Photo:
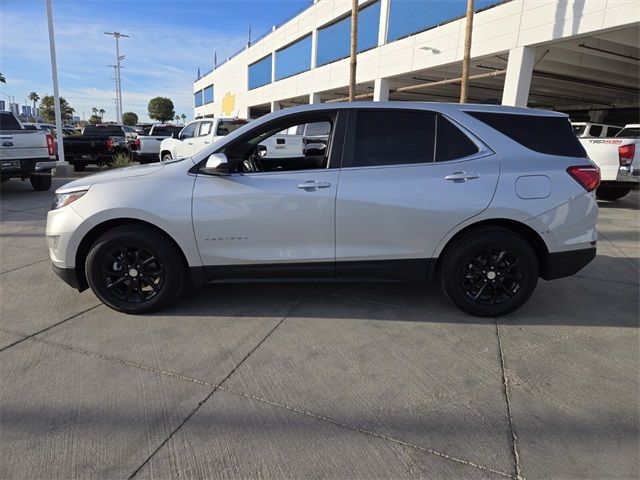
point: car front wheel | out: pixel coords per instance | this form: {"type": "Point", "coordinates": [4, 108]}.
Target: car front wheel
{"type": "Point", "coordinates": [133, 269]}
{"type": "Point", "coordinates": [166, 157]}
{"type": "Point", "coordinates": [489, 272]}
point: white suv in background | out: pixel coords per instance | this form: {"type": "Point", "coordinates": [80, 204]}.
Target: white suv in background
{"type": "Point", "coordinates": [484, 198]}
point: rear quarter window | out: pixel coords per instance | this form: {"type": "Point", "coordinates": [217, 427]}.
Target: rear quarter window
{"type": "Point", "coordinates": [550, 135]}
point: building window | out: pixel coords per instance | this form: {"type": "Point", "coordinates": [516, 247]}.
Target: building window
{"type": "Point", "coordinates": [198, 98]}
{"type": "Point", "coordinates": [260, 73]}
{"type": "Point", "coordinates": [207, 95]}
{"type": "Point", "coordinates": [407, 17]}
{"type": "Point", "coordinates": [333, 40]}
{"type": "Point", "coordinates": [294, 59]}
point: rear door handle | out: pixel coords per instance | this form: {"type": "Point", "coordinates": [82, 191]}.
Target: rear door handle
{"type": "Point", "coordinates": [461, 177]}
{"type": "Point", "coordinates": [313, 185]}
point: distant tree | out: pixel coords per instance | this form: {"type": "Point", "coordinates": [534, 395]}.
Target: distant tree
{"type": "Point", "coordinates": [33, 96]}
{"type": "Point", "coordinates": [2, 79]}
{"type": "Point", "coordinates": [177, 119]}
{"type": "Point", "coordinates": [102, 112]}
{"type": "Point", "coordinates": [94, 110]}
{"type": "Point", "coordinates": [48, 111]}
{"type": "Point", "coordinates": [95, 119]}
{"type": "Point", "coordinates": [161, 109]}
{"type": "Point", "coordinates": [183, 117]}
{"type": "Point", "coordinates": [129, 118]}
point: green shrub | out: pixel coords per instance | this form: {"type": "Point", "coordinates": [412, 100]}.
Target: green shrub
{"type": "Point", "coordinates": [120, 160]}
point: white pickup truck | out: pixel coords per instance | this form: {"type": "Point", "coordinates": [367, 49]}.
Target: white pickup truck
{"type": "Point", "coordinates": [146, 147]}
{"type": "Point", "coordinates": [619, 161]}
{"type": "Point", "coordinates": [25, 153]}
{"type": "Point", "coordinates": [196, 136]}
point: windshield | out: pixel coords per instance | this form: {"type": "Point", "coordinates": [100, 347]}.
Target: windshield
{"type": "Point", "coordinates": [630, 132]}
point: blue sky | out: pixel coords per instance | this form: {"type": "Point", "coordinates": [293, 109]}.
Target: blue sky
{"type": "Point", "coordinates": [169, 41]}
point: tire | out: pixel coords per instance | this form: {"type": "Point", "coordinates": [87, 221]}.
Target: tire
{"type": "Point", "coordinates": [166, 157]}
{"type": "Point", "coordinates": [40, 183]}
{"type": "Point", "coordinates": [79, 167]}
{"type": "Point", "coordinates": [134, 283]}
{"type": "Point", "coordinates": [611, 193]}
{"type": "Point", "coordinates": [489, 272]}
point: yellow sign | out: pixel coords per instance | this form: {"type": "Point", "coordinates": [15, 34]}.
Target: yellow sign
{"type": "Point", "coordinates": [228, 104]}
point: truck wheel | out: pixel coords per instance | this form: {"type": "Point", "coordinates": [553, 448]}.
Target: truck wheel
{"type": "Point", "coordinates": [133, 269]}
{"type": "Point", "coordinates": [611, 193]}
{"type": "Point", "coordinates": [489, 272]}
{"type": "Point", "coordinates": [79, 167]}
{"type": "Point", "coordinates": [166, 157]}
{"type": "Point", "coordinates": [40, 183]}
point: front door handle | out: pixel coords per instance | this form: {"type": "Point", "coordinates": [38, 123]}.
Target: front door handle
{"type": "Point", "coordinates": [313, 185]}
{"type": "Point", "coordinates": [461, 177]}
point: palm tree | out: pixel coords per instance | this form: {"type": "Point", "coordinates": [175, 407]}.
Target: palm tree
{"type": "Point", "coordinates": [177, 118]}
{"type": "Point", "coordinates": [94, 110]}
{"type": "Point", "coordinates": [183, 117]}
{"type": "Point", "coordinates": [2, 80]}
{"type": "Point", "coordinates": [102, 112]}
{"type": "Point", "coordinates": [33, 96]}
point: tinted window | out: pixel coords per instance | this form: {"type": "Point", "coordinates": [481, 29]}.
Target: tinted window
{"type": "Point", "coordinates": [550, 135]}
{"type": "Point", "coordinates": [333, 40]}
{"type": "Point", "coordinates": [225, 127]}
{"type": "Point", "coordinates": [189, 131]}
{"type": "Point", "coordinates": [631, 132]}
{"type": "Point", "coordinates": [595, 130]}
{"type": "Point", "coordinates": [165, 131]}
{"type": "Point", "coordinates": [106, 131]}
{"type": "Point", "coordinates": [207, 95]}
{"type": "Point", "coordinates": [317, 129]}
{"type": "Point", "coordinates": [7, 122]}
{"type": "Point", "coordinates": [294, 59]}
{"type": "Point", "coordinates": [260, 73]}
{"type": "Point", "coordinates": [407, 17]}
{"type": "Point", "coordinates": [198, 98]}
{"type": "Point", "coordinates": [613, 131]}
{"type": "Point", "coordinates": [30, 127]}
{"type": "Point", "coordinates": [451, 142]}
{"type": "Point", "coordinates": [392, 137]}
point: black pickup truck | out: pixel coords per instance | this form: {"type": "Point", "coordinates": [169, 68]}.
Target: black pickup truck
{"type": "Point", "coordinates": [97, 145]}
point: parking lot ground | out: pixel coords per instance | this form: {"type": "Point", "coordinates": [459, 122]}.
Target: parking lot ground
{"type": "Point", "coordinates": [318, 380]}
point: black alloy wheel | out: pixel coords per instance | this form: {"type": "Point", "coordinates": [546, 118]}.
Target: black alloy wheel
{"type": "Point", "coordinates": [489, 272]}
{"type": "Point", "coordinates": [135, 269]}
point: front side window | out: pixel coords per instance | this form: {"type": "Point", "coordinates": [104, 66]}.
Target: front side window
{"type": "Point", "coordinates": [205, 129]}
{"type": "Point", "coordinates": [393, 137]}
{"type": "Point", "coordinates": [189, 131]}
{"type": "Point", "coordinates": [279, 148]}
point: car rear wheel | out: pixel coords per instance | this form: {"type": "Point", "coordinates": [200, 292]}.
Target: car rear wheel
{"type": "Point", "coordinates": [611, 193]}
{"type": "Point", "coordinates": [489, 272]}
{"type": "Point", "coordinates": [133, 269]}
{"type": "Point", "coordinates": [40, 183]}
{"type": "Point", "coordinates": [166, 157]}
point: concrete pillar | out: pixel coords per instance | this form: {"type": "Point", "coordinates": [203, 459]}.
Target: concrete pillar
{"type": "Point", "coordinates": [314, 98]}
{"type": "Point", "coordinates": [381, 90]}
{"type": "Point", "coordinates": [275, 106]}
{"type": "Point", "coordinates": [597, 116]}
{"type": "Point", "coordinates": [518, 79]}
{"type": "Point", "coordinates": [314, 48]}
{"type": "Point", "coordinates": [273, 67]}
{"type": "Point", "coordinates": [384, 22]}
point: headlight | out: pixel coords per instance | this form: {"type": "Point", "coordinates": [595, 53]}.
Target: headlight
{"type": "Point", "coordinates": [64, 199]}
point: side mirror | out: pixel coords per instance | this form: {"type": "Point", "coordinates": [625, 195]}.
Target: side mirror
{"type": "Point", "coordinates": [314, 149]}
{"type": "Point", "coordinates": [217, 164]}
{"type": "Point", "coordinates": [262, 150]}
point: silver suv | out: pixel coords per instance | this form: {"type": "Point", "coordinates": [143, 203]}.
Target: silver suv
{"type": "Point", "coordinates": [484, 198]}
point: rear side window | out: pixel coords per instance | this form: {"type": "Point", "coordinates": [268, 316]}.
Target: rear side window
{"type": "Point", "coordinates": [451, 142]}
{"type": "Point", "coordinates": [550, 135]}
{"type": "Point", "coordinates": [595, 130]}
{"type": "Point", "coordinates": [393, 137]}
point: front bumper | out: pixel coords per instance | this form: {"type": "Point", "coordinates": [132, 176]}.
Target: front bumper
{"type": "Point", "coordinates": [564, 264]}
{"type": "Point", "coordinates": [68, 275]}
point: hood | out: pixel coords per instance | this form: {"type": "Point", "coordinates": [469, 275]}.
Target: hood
{"type": "Point", "coordinates": [110, 176]}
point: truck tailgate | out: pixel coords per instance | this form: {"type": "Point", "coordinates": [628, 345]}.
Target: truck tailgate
{"type": "Point", "coordinates": [17, 144]}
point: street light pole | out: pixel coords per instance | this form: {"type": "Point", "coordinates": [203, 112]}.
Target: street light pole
{"type": "Point", "coordinates": [115, 73]}
{"type": "Point", "coordinates": [56, 93]}
{"type": "Point", "coordinates": [117, 36]}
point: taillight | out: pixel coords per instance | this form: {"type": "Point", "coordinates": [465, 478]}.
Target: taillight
{"type": "Point", "coordinates": [136, 144]}
{"type": "Point", "coordinates": [51, 146]}
{"type": "Point", "coordinates": [109, 144]}
{"type": "Point", "coordinates": [626, 154]}
{"type": "Point", "coordinates": [586, 175]}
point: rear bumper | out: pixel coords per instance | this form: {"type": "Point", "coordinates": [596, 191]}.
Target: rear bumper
{"type": "Point", "coordinates": [19, 168]}
{"type": "Point", "coordinates": [629, 175]}
{"type": "Point", "coordinates": [564, 264]}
